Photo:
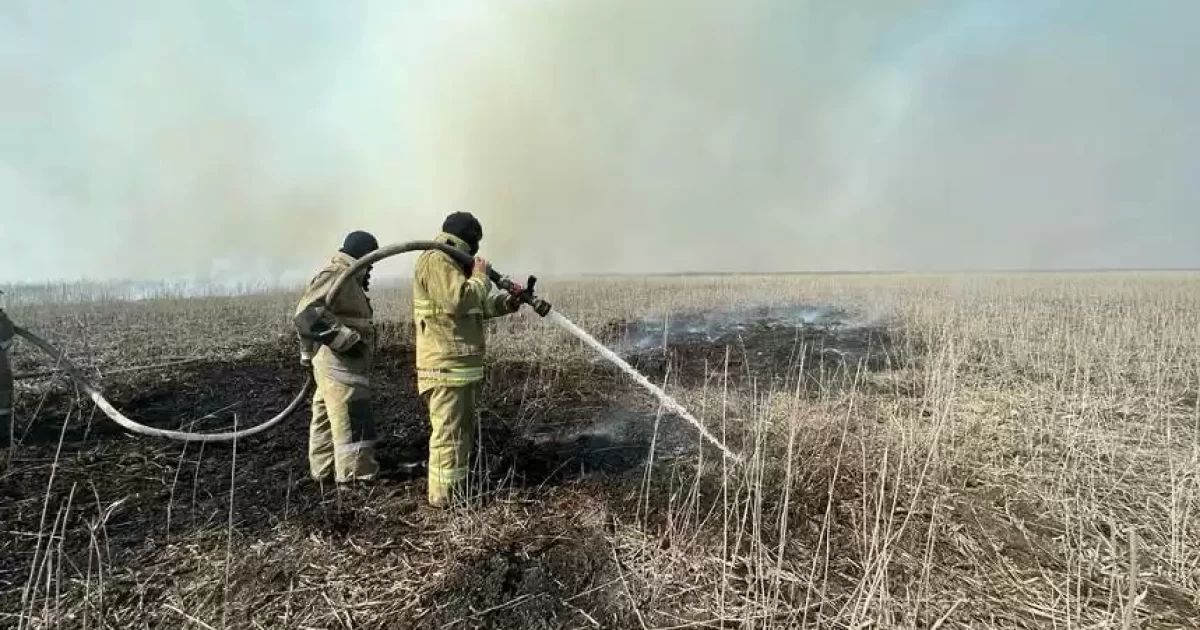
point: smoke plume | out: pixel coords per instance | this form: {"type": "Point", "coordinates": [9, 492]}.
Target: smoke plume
{"type": "Point", "coordinates": [148, 139]}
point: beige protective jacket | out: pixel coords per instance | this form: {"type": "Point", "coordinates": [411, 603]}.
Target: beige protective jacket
{"type": "Point", "coordinates": [450, 309]}
{"type": "Point", "coordinates": [352, 318]}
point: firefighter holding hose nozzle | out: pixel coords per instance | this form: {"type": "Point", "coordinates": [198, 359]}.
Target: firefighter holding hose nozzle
{"type": "Point", "coordinates": [451, 303]}
{"type": "Point", "coordinates": [6, 380]}
{"type": "Point", "coordinates": [338, 342]}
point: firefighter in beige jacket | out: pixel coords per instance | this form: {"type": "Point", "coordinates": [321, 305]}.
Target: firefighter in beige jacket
{"type": "Point", "coordinates": [338, 341]}
{"type": "Point", "coordinates": [450, 307]}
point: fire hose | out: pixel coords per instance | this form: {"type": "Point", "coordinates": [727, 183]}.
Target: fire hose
{"type": "Point", "coordinates": [130, 424]}
{"type": "Point", "coordinates": [524, 294]}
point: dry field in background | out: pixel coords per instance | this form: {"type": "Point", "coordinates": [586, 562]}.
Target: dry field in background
{"type": "Point", "coordinates": [995, 451]}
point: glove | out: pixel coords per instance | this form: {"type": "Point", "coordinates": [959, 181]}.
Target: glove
{"type": "Point", "coordinates": [513, 303]}
{"type": "Point", "coordinates": [341, 340]}
{"type": "Point", "coordinates": [305, 359]}
{"type": "Point", "coordinates": [313, 323]}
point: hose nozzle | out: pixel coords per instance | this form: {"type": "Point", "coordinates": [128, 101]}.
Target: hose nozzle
{"type": "Point", "coordinates": [525, 294]}
{"type": "Point", "coordinates": [540, 306]}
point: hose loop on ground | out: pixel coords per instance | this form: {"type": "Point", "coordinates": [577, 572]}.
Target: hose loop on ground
{"type": "Point", "coordinates": [115, 415]}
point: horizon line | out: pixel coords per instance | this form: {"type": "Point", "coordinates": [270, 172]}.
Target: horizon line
{"type": "Point", "coordinates": [627, 274]}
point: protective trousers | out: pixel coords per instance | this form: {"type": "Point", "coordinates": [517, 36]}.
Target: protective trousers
{"type": "Point", "coordinates": [6, 396]}
{"type": "Point", "coordinates": [341, 439]}
{"type": "Point", "coordinates": [451, 438]}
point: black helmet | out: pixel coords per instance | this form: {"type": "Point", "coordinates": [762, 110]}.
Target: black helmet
{"type": "Point", "coordinates": [464, 225]}
{"type": "Point", "coordinates": [359, 244]}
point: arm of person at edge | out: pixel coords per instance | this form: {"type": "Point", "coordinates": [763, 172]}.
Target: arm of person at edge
{"type": "Point", "coordinates": [6, 331]}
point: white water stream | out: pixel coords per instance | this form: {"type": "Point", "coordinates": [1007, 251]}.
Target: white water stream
{"type": "Point", "coordinates": [666, 400]}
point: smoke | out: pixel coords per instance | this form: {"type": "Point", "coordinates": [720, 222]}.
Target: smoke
{"type": "Point", "coordinates": [146, 139]}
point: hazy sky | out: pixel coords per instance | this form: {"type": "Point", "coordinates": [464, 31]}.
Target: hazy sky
{"type": "Point", "coordinates": [149, 139]}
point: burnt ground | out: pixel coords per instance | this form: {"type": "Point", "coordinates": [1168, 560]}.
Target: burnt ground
{"type": "Point", "coordinates": [166, 491]}
{"type": "Point", "coordinates": [151, 515]}
{"type": "Point", "coordinates": [772, 346]}
{"type": "Point", "coordinates": [103, 529]}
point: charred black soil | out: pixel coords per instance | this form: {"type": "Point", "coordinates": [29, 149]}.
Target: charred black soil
{"type": "Point", "coordinates": [568, 439]}
{"type": "Point", "coordinates": [102, 528]}
{"type": "Point", "coordinates": [81, 490]}
{"type": "Point", "coordinates": [827, 347]}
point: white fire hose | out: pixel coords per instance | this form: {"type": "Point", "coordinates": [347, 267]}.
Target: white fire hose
{"type": "Point", "coordinates": [226, 436]}
{"type": "Point", "coordinates": [113, 413]}
{"type": "Point", "coordinates": [527, 296]}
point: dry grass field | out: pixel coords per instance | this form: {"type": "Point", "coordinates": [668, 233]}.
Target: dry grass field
{"type": "Point", "coordinates": [971, 451]}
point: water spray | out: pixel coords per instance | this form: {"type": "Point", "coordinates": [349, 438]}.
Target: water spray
{"type": "Point", "coordinates": [667, 401]}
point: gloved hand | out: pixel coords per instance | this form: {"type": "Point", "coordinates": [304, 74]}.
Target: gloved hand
{"type": "Point", "coordinates": [480, 268]}
{"type": "Point", "coordinates": [513, 303]}
{"type": "Point", "coordinates": [340, 340]}
{"type": "Point", "coordinates": [305, 359]}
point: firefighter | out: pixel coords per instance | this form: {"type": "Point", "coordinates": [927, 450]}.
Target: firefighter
{"type": "Point", "coordinates": [6, 381]}
{"type": "Point", "coordinates": [338, 343]}
{"type": "Point", "coordinates": [450, 305]}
